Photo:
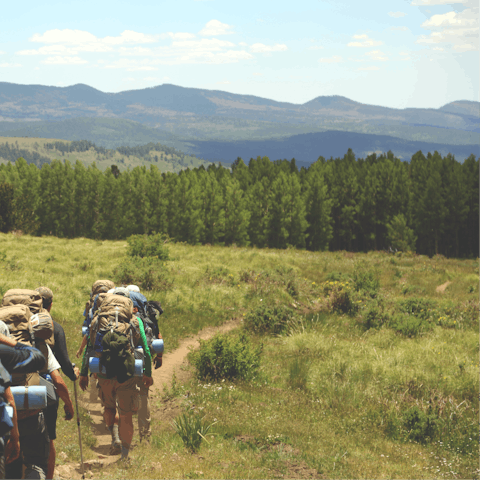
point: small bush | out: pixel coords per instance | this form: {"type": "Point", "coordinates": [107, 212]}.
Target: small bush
{"type": "Point", "coordinates": [375, 316]}
{"type": "Point", "coordinates": [409, 325]}
{"type": "Point", "coordinates": [147, 273]}
{"type": "Point", "coordinates": [267, 320]}
{"type": "Point", "coordinates": [148, 246]}
{"type": "Point", "coordinates": [340, 297]}
{"type": "Point", "coordinates": [420, 426]}
{"type": "Point", "coordinates": [226, 357]}
{"type": "Point", "coordinates": [420, 307]}
{"type": "Point", "coordinates": [192, 429]}
{"type": "Point", "coordinates": [366, 282]}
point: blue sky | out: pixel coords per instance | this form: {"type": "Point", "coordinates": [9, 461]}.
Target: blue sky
{"type": "Point", "coordinates": [395, 53]}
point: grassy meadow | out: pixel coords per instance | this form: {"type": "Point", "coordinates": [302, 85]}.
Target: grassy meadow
{"type": "Point", "coordinates": [367, 369]}
{"type": "Point", "coordinates": [165, 162]}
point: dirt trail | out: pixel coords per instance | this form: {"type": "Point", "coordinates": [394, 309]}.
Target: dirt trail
{"type": "Point", "coordinates": [172, 362]}
{"type": "Point", "coordinates": [443, 287]}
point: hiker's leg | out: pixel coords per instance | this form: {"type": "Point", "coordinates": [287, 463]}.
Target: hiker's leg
{"type": "Point", "coordinates": [108, 399]}
{"type": "Point", "coordinates": [127, 395]}
{"type": "Point", "coordinates": [126, 429]}
{"type": "Point", "coordinates": [144, 429]}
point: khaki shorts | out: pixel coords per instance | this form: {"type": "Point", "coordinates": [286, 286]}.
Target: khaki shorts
{"type": "Point", "coordinates": [122, 395]}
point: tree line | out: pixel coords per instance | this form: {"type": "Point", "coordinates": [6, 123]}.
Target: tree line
{"type": "Point", "coordinates": [337, 204]}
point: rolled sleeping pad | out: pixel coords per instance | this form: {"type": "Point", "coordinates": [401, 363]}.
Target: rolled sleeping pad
{"type": "Point", "coordinates": [95, 367]}
{"type": "Point", "coordinates": [84, 331]}
{"type": "Point", "coordinates": [30, 398]}
{"type": "Point", "coordinates": [157, 345]}
{"type": "Point", "coordinates": [9, 410]}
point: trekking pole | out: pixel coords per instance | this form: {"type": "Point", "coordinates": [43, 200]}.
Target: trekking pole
{"type": "Point", "coordinates": [78, 425]}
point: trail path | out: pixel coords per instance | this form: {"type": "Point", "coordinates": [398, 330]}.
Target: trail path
{"type": "Point", "coordinates": [172, 363]}
{"type": "Point", "coordinates": [443, 287]}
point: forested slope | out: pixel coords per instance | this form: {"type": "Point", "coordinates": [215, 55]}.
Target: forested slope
{"type": "Point", "coordinates": [337, 204]}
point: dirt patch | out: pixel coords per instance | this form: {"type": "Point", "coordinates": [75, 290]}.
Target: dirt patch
{"type": "Point", "coordinates": [443, 287]}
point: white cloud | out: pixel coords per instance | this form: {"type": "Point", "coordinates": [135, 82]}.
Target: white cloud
{"type": "Point", "coordinates": [457, 29]}
{"type": "Point", "coordinates": [440, 49]}
{"type": "Point", "coordinates": [377, 55]}
{"type": "Point", "coordinates": [257, 74]}
{"type": "Point", "coordinates": [214, 27]}
{"type": "Point", "coordinates": [243, 44]}
{"type": "Point", "coordinates": [316, 47]}
{"type": "Point", "coordinates": [70, 42]}
{"type": "Point", "coordinates": [2, 53]}
{"type": "Point", "coordinates": [178, 35]}
{"type": "Point", "coordinates": [365, 41]}
{"type": "Point", "coordinates": [368, 69]}
{"type": "Point", "coordinates": [10, 65]}
{"type": "Point", "coordinates": [334, 59]}
{"type": "Point", "coordinates": [396, 14]}
{"type": "Point", "coordinates": [261, 48]}
{"type": "Point", "coordinates": [58, 60]}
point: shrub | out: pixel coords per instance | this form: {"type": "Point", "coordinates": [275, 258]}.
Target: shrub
{"type": "Point", "coordinates": [340, 297]}
{"type": "Point", "coordinates": [375, 316]}
{"type": "Point", "coordinates": [192, 429]}
{"type": "Point", "coordinates": [148, 246]}
{"type": "Point", "coordinates": [366, 282]}
{"type": "Point", "coordinates": [267, 320]}
{"type": "Point", "coordinates": [420, 426]}
{"type": "Point", "coordinates": [420, 307]}
{"type": "Point", "coordinates": [226, 357]}
{"type": "Point", "coordinates": [409, 325]}
{"type": "Point", "coordinates": [147, 273]}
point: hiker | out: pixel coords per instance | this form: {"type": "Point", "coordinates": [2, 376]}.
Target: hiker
{"type": "Point", "coordinates": [57, 358]}
{"type": "Point", "coordinates": [30, 324]}
{"type": "Point", "coordinates": [113, 332]}
{"type": "Point", "coordinates": [139, 309]}
{"type": "Point", "coordinates": [14, 358]}
{"type": "Point", "coordinates": [98, 287]}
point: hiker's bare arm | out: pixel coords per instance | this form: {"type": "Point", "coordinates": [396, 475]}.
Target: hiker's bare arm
{"type": "Point", "coordinates": [82, 346]}
{"type": "Point", "coordinates": [62, 391]}
{"type": "Point", "coordinates": [12, 449]}
{"type": "Point", "coordinates": [83, 382]}
{"type": "Point", "coordinates": [11, 342]}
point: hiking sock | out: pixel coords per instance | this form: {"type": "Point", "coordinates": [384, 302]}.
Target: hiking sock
{"type": "Point", "coordinates": [125, 450]}
{"type": "Point", "coordinates": [115, 436]}
{"type": "Point", "coordinates": [113, 429]}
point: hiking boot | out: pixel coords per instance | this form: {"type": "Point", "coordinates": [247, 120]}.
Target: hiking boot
{"type": "Point", "coordinates": [115, 448]}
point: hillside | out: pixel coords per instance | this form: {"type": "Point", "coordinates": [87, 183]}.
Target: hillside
{"type": "Point", "coordinates": [365, 368]}
{"type": "Point", "coordinates": [167, 106]}
{"type": "Point", "coordinates": [44, 150]}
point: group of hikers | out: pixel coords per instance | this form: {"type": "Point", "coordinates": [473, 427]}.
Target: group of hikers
{"type": "Point", "coordinates": [121, 342]}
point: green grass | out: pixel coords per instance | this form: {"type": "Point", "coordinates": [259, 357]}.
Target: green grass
{"type": "Point", "coordinates": [332, 397]}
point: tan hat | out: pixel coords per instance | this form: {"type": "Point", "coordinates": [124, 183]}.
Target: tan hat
{"type": "Point", "coordinates": [45, 293]}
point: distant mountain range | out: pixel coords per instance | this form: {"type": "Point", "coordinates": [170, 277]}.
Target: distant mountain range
{"type": "Point", "coordinates": [217, 125]}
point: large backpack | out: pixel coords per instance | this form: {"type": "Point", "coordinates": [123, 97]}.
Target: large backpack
{"type": "Point", "coordinates": [114, 333]}
{"type": "Point", "coordinates": [100, 286]}
{"type": "Point", "coordinates": [31, 330]}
